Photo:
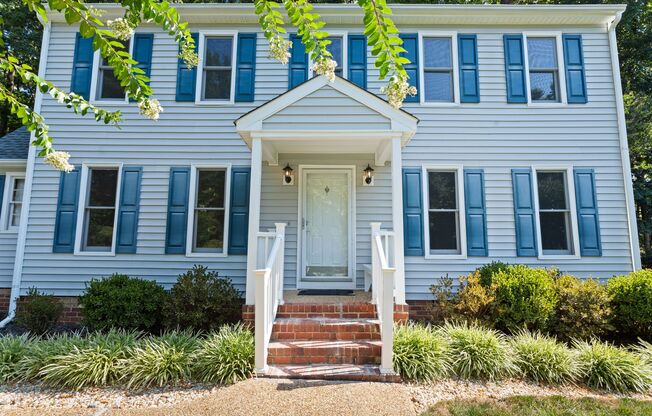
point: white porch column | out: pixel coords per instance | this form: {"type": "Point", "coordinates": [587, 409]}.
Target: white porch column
{"type": "Point", "coordinates": [254, 217]}
{"type": "Point", "coordinates": [397, 220]}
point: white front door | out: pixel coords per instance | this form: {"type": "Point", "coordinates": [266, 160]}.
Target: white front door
{"type": "Point", "coordinates": [326, 237]}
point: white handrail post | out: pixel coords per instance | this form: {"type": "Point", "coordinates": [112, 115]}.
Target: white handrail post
{"type": "Point", "coordinates": [260, 331]}
{"type": "Point", "coordinates": [280, 231]}
{"type": "Point", "coordinates": [387, 323]}
{"type": "Point", "coordinates": [375, 264]}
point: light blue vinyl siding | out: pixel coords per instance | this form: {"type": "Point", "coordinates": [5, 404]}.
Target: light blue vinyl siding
{"type": "Point", "coordinates": [7, 255]}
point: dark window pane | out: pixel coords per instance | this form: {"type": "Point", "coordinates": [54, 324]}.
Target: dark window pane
{"type": "Point", "coordinates": [210, 189]}
{"type": "Point", "coordinates": [125, 48]}
{"type": "Point", "coordinates": [218, 51]}
{"type": "Point", "coordinates": [111, 88]}
{"type": "Point", "coordinates": [100, 228]}
{"type": "Point", "coordinates": [210, 229]}
{"type": "Point", "coordinates": [552, 190]}
{"type": "Point", "coordinates": [443, 231]}
{"type": "Point", "coordinates": [437, 53]}
{"type": "Point", "coordinates": [554, 230]}
{"type": "Point", "coordinates": [542, 53]}
{"type": "Point", "coordinates": [103, 187]}
{"type": "Point", "coordinates": [335, 48]}
{"type": "Point", "coordinates": [438, 86]}
{"type": "Point", "coordinates": [218, 84]}
{"type": "Point", "coordinates": [543, 86]}
{"type": "Point", "coordinates": [442, 190]}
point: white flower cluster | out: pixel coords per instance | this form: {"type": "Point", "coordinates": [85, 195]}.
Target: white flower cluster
{"type": "Point", "coordinates": [325, 66]}
{"type": "Point", "coordinates": [397, 89]}
{"type": "Point", "coordinates": [189, 55]}
{"type": "Point", "coordinates": [121, 28]}
{"type": "Point", "coordinates": [59, 161]}
{"type": "Point", "coordinates": [279, 49]}
{"type": "Point", "coordinates": [150, 108]}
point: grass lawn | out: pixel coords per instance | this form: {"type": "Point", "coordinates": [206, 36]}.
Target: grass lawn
{"type": "Point", "coordinates": [550, 406]}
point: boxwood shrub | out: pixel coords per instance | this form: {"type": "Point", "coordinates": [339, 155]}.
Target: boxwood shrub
{"type": "Point", "coordinates": [631, 301]}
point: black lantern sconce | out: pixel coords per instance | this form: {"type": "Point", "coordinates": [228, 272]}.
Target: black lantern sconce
{"type": "Point", "coordinates": [368, 175]}
{"type": "Point", "coordinates": [288, 176]}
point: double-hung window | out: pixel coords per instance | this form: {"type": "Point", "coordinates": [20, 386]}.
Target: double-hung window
{"type": "Point", "coordinates": [217, 66]}
{"type": "Point", "coordinates": [438, 69]}
{"type": "Point", "coordinates": [108, 86]}
{"type": "Point", "coordinates": [543, 67]}
{"type": "Point", "coordinates": [555, 219]}
{"type": "Point", "coordinates": [336, 48]}
{"type": "Point", "coordinates": [444, 206]}
{"type": "Point", "coordinates": [100, 206]}
{"type": "Point", "coordinates": [13, 201]}
{"type": "Point", "coordinates": [209, 210]}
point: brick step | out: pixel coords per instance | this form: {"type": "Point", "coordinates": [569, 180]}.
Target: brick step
{"type": "Point", "coordinates": [324, 352]}
{"type": "Point", "coordinates": [349, 372]}
{"type": "Point", "coordinates": [354, 310]}
{"type": "Point", "coordinates": [325, 329]}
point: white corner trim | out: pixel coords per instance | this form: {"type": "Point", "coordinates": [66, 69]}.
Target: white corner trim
{"type": "Point", "coordinates": [199, 79]}
{"type": "Point", "coordinates": [624, 146]}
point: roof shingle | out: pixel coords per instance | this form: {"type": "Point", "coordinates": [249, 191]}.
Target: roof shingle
{"type": "Point", "coordinates": [15, 145]}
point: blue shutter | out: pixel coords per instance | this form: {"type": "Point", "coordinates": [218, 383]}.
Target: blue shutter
{"type": "Point", "coordinates": [82, 67]}
{"type": "Point", "coordinates": [515, 69]}
{"type": "Point", "coordinates": [476, 213]}
{"type": "Point", "coordinates": [239, 212]}
{"type": "Point", "coordinates": [411, 45]}
{"type": "Point", "coordinates": [412, 212]}
{"type": "Point", "coordinates": [298, 70]}
{"type": "Point", "coordinates": [129, 209]}
{"type": "Point", "coordinates": [524, 214]}
{"type": "Point", "coordinates": [66, 217]}
{"type": "Point", "coordinates": [186, 77]}
{"type": "Point", "coordinates": [574, 63]}
{"type": "Point", "coordinates": [245, 75]}
{"type": "Point", "coordinates": [175, 238]}
{"type": "Point", "coordinates": [468, 60]}
{"type": "Point", "coordinates": [357, 60]}
{"type": "Point", "coordinates": [2, 190]}
{"type": "Point", "coordinates": [143, 43]}
{"type": "Point", "coordinates": [587, 213]}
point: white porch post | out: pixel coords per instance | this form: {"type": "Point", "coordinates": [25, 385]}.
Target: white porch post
{"type": "Point", "coordinates": [254, 217]}
{"type": "Point", "coordinates": [397, 220]}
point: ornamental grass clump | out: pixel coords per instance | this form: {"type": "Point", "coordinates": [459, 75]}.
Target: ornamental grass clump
{"type": "Point", "coordinates": [479, 353]}
{"type": "Point", "coordinates": [542, 359]}
{"type": "Point", "coordinates": [12, 350]}
{"type": "Point", "coordinates": [225, 356]}
{"type": "Point", "coordinates": [44, 352]}
{"type": "Point", "coordinates": [605, 366]}
{"type": "Point", "coordinates": [420, 353]}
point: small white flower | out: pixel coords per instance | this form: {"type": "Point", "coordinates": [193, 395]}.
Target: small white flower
{"type": "Point", "coordinates": [326, 67]}
{"type": "Point", "coordinates": [59, 161]}
{"type": "Point", "coordinates": [279, 49]}
{"type": "Point", "coordinates": [397, 89]}
{"type": "Point", "coordinates": [189, 56]}
{"type": "Point", "coordinates": [150, 109]}
{"type": "Point", "coordinates": [121, 28]}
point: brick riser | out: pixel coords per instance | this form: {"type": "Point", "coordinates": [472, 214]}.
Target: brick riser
{"type": "Point", "coordinates": [325, 329]}
{"type": "Point", "coordinates": [327, 310]}
{"type": "Point", "coordinates": [320, 352]}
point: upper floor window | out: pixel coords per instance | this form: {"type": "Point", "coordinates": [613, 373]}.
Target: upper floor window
{"type": "Point", "coordinates": [100, 205]}
{"type": "Point", "coordinates": [543, 69]}
{"type": "Point", "coordinates": [108, 85]}
{"type": "Point", "coordinates": [443, 202]}
{"type": "Point", "coordinates": [438, 71]}
{"type": "Point", "coordinates": [555, 219]}
{"type": "Point", "coordinates": [208, 210]}
{"type": "Point", "coordinates": [217, 68]}
{"type": "Point", "coordinates": [336, 48]}
{"type": "Point", "coordinates": [13, 205]}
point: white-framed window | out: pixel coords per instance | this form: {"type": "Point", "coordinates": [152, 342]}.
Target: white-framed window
{"type": "Point", "coordinates": [439, 83]}
{"type": "Point", "coordinates": [544, 62]}
{"type": "Point", "coordinates": [97, 217]}
{"type": "Point", "coordinates": [208, 210]}
{"type": "Point", "coordinates": [105, 86]}
{"type": "Point", "coordinates": [556, 218]}
{"type": "Point", "coordinates": [216, 70]}
{"type": "Point", "coordinates": [339, 49]}
{"type": "Point", "coordinates": [13, 200]}
{"type": "Point", "coordinates": [445, 227]}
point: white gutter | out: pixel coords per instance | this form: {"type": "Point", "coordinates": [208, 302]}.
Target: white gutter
{"type": "Point", "coordinates": [27, 195]}
{"type": "Point", "coordinates": [624, 147]}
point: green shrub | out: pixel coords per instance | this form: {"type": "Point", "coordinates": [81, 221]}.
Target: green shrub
{"type": "Point", "coordinates": [120, 301]}
{"type": "Point", "coordinates": [202, 301]}
{"type": "Point", "coordinates": [420, 353]}
{"type": "Point", "coordinates": [543, 359]}
{"type": "Point", "coordinates": [479, 353]}
{"type": "Point", "coordinates": [487, 272]}
{"type": "Point", "coordinates": [12, 350]}
{"type": "Point", "coordinates": [226, 356]}
{"type": "Point", "coordinates": [582, 310]}
{"type": "Point", "coordinates": [605, 366]}
{"type": "Point", "coordinates": [443, 306]}
{"type": "Point", "coordinates": [475, 302]}
{"type": "Point", "coordinates": [94, 362]}
{"type": "Point", "coordinates": [631, 302]}
{"type": "Point", "coordinates": [38, 312]}
{"type": "Point", "coordinates": [525, 298]}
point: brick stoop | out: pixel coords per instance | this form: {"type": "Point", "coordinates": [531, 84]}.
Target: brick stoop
{"type": "Point", "coordinates": [331, 372]}
{"type": "Point", "coordinates": [324, 352]}
{"type": "Point", "coordinates": [325, 329]}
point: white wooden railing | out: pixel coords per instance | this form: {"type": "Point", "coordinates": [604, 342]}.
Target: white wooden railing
{"type": "Point", "coordinates": [269, 288]}
{"type": "Point", "coordinates": [383, 269]}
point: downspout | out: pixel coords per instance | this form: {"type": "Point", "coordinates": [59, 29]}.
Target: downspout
{"type": "Point", "coordinates": [624, 147]}
{"type": "Point", "coordinates": [29, 175]}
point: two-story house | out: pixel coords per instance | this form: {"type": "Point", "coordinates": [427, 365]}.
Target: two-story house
{"type": "Point", "coordinates": [514, 149]}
